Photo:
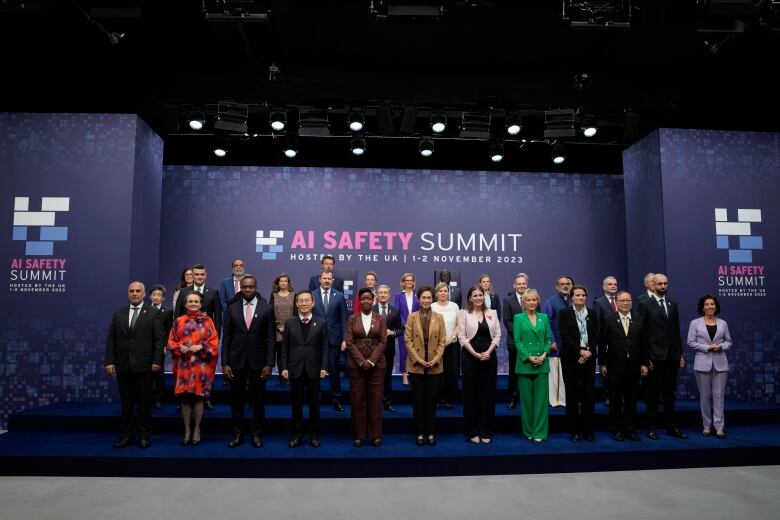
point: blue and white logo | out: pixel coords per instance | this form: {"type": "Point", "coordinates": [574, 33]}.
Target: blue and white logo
{"type": "Point", "coordinates": [268, 246]}
{"type": "Point", "coordinates": [737, 236]}
{"type": "Point", "coordinates": [25, 219]}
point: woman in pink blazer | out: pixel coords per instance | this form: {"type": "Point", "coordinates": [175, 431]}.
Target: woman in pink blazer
{"type": "Point", "coordinates": [479, 332]}
{"type": "Point", "coordinates": [709, 337]}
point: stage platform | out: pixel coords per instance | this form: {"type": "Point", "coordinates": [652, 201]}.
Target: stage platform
{"type": "Point", "coordinates": [76, 438]}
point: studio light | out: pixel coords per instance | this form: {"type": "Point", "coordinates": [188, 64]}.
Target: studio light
{"type": "Point", "coordinates": [426, 147]}
{"type": "Point", "coordinates": [232, 117]}
{"type": "Point", "coordinates": [438, 122]}
{"type": "Point", "coordinates": [589, 130]}
{"type": "Point", "coordinates": [513, 125]}
{"type": "Point", "coordinates": [278, 120]}
{"type": "Point", "coordinates": [357, 145]}
{"type": "Point", "coordinates": [582, 80]}
{"type": "Point", "coordinates": [220, 151]}
{"type": "Point", "coordinates": [196, 120]}
{"type": "Point", "coordinates": [558, 153]}
{"type": "Point", "coordinates": [496, 152]}
{"type": "Point", "coordinates": [356, 120]}
{"type": "Point", "coordinates": [290, 147]}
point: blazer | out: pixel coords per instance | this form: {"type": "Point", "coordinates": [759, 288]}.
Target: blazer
{"type": "Point", "coordinates": [620, 352]}
{"type": "Point", "coordinates": [393, 322]}
{"type": "Point", "coordinates": [511, 307]}
{"type": "Point", "coordinates": [455, 295]}
{"type": "Point", "coordinates": [602, 307]}
{"type": "Point", "coordinates": [226, 292]}
{"type": "Point", "coordinates": [532, 341]}
{"type": "Point", "coordinates": [571, 338]}
{"type": "Point", "coordinates": [377, 333]}
{"type": "Point", "coordinates": [252, 348]}
{"type": "Point", "coordinates": [468, 324]}
{"type": "Point", "coordinates": [495, 303]}
{"type": "Point", "coordinates": [304, 357]}
{"type": "Point", "coordinates": [663, 334]}
{"type": "Point", "coordinates": [415, 343]}
{"type": "Point", "coordinates": [211, 305]}
{"type": "Point", "coordinates": [699, 340]}
{"type": "Point", "coordinates": [399, 300]}
{"type": "Point", "coordinates": [139, 349]}
{"type": "Point", "coordinates": [335, 315]}
{"type": "Point", "coordinates": [314, 283]}
{"type": "Point", "coordinates": [166, 316]}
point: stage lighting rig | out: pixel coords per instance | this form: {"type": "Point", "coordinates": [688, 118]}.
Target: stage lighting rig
{"type": "Point", "coordinates": [603, 14]}
{"type": "Point", "coordinates": [559, 123]}
{"type": "Point", "coordinates": [475, 125]}
{"type": "Point", "coordinates": [313, 122]}
{"type": "Point", "coordinates": [358, 145]}
{"type": "Point", "coordinates": [407, 10]}
{"type": "Point", "coordinates": [232, 117]}
{"type": "Point", "coordinates": [236, 10]}
{"type": "Point", "coordinates": [426, 146]}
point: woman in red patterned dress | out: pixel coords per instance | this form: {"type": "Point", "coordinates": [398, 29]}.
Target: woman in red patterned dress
{"type": "Point", "coordinates": [194, 344]}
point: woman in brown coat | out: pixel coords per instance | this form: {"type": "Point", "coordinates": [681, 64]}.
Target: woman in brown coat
{"type": "Point", "coordinates": [425, 340]}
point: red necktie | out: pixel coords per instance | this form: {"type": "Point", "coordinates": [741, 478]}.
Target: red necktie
{"type": "Point", "coordinates": [304, 320]}
{"type": "Point", "coordinates": [612, 304]}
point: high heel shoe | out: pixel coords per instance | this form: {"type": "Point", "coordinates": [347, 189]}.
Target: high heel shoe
{"type": "Point", "coordinates": [420, 440]}
{"type": "Point", "coordinates": [357, 443]}
{"type": "Point", "coordinates": [194, 441]}
{"type": "Point", "coordinates": [377, 443]}
{"type": "Point", "coordinates": [187, 440]}
{"type": "Point", "coordinates": [431, 440]}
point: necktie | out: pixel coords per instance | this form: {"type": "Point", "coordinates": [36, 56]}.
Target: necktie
{"type": "Point", "coordinates": [325, 299]}
{"type": "Point", "coordinates": [248, 314]}
{"type": "Point", "coordinates": [384, 310]}
{"type": "Point", "coordinates": [304, 320]}
{"type": "Point", "coordinates": [663, 308]}
{"type": "Point", "coordinates": [625, 324]}
{"type": "Point", "coordinates": [235, 285]}
{"type": "Point", "coordinates": [134, 317]}
{"type": "Point", "coordinates": [612, 304]}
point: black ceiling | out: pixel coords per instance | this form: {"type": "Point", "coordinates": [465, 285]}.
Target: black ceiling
{"type": "Point", "coordinates": [676, 66]}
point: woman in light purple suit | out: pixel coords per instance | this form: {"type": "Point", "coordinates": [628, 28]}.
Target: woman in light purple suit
{"type": "Point", "coordinates": [406, 302]}
{"type": "Point", "coordinates": [709, 337]}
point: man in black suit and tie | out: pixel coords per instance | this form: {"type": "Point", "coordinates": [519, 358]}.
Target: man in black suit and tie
{"type": "Point", "coordinates": [304, 360]}
{"type": "Point", "coordinates": [211, 304]}
{"type": "Point", "coordinates": [664, 352]}
{"type": "Point", "coordinates": [445, 276]}
{"type": "Point", "coordinates": [606, 304]}
{"type": "Point", "coordinates": [394, 329]}
{"type": "Point", "coordinates": [331, 306]}
{"type": "Point", "coordinates": [248, 353]}
{"type": "Point", "coordinates": [513, 305]}
{"type": "Point", "coordinates": [134, 350]}
{"type": "Point", "coordinates": [327, 263]}
{"type": "Point", "coordinates": [157, 299]}
{"type": "Point", "coordinates": [492, 301]}
{"type": "Point", "coordinates": [622, 351]}
{"type": "Point", "coordinates": [649, 288]}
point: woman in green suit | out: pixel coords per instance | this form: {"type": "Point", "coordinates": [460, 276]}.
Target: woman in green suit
{"type": "Point", "coordinates": [533, 338]}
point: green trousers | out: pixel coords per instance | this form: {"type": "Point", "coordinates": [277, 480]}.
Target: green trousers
{"type": "Point", "coordinates": [533, 404]}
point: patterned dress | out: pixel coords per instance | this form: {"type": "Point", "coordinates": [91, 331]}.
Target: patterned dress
{"type": "Point", "coordinates": [195, 371]}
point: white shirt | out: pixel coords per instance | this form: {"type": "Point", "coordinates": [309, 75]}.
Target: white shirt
{"type": "Point", "coordinates": [519, 299]}
{"type": "Point", "coordinates": [252, 303]}
{"type": "Point", "coordinates": [201, 289]}
{"type": "Point", "coordinates": [366, 321]}
{"type": "Point", "coordinates": [130, 314]}
{"type": "Point", "coordinates": [308, 317]}
{"type": "Point", "coordinates": [450, 315]}
{"type": "Point", "coordinates": [409, 301]}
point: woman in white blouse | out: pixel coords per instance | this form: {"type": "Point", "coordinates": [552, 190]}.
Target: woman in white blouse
{"type": "Point", "coordinates": [449, 311]}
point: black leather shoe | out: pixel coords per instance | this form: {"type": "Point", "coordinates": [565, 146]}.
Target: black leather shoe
{"type": "Point", "coordinates": [632, 436]}
{"type": "Point", "coordinates": [257, 441]}
{"type": "Point", "coordinates": [357, 443]}
{"type": "Point", "coordinates": [420, 440]}
{"type": "Point", "coordinates": [590, 438]}
{"type": "Point", "coordinates": [706, 433]}
{"type": "Point", "coordinates": [377, 443]}
{"type": "Point", "coordinates": [721, 434]}
{"type": "Point", "coordinates": [238, 440]}
{"type": "Point", "coordinates": [676, 432]}
{"type": "Point", "coordinates": [295, 442]}
{"type": "Point", "coordinates": [618, 436]}
{"type": "Point", "coordinates": [575, 437]}
{"type": "Point", "coordinates": [315, 442]}
{"type": "Point", "coordinates": [652, 435]}
{"type": "Point", "coordinates": [512, 404]}
{"type": "Point", "coordinates": [337, 405]}
{"type": "Point", "coordinates": [124, 441]}
{"type": "Point", "coordinates": [208, 405]}
{"type": "Point", "coordinates": [144, 443]}
{"type": "Point", "coordinates": [389, 407]}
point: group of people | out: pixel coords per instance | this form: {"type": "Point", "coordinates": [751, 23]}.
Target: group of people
{"type": "Point", "coordinates": [555, 348]}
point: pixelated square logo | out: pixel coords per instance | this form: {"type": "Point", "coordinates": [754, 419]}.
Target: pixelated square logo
{"type": "Point", "coordinates": [267, 243]}
{"type": "Point", "coordinates": [738, 236]}
{"type": "Point", "coordinates": [27, 221]}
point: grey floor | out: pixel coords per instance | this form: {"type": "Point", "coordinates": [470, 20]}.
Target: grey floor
{"type": "Point", "coordinates": [742, 493]}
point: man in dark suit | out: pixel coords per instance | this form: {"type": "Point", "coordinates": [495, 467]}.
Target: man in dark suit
{"type": "Point", "coordinates": [513, 305]}
{"type": "Point", "coordinates": [492, 301]}
{"type": "Point", "coordinates": [622, 351]}
{"type": "Point", "coordinates": [664, 352]}
{"type": "Point", "coordinates": [157, 299]}
{"type": "Point", "coordinates": [230, 286]}
{"type": "Point", "coordinates": [248, 353]}
{"type": "Point", "coordinates": [331, 306]}
{"type": "Point", "coordinates": [304, 360]}
{"type": "Point", "coordinates": [327, 263]}
{"type": "Point", "coordinates": [134, 350]}
{"type": "Point", "coordinates": [605, 304]}
{"type": "Point", "coordinates": [394, 328]}
{"type": "Point", "coordinates": [211, 303]}
{"type": "Point", "coordinates": [445, 276]}
{"type": "Point", "coordinates": [649, 291]}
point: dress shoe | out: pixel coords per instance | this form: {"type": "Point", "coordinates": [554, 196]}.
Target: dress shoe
{"type": "Point", "coordinates": [676, 432]}
{"type": "Point", "coordinates": [257, 441]}
{"type": "Point", "coordinates": [389, 407]}
{"type": "Point", "coordinates": [720, 434]}
{"type": "Point", "coordinates": [537, 439]}
{"type": "Point", "coordinates": [337, 405]}
{"type": "Point", "coordinates": [196, 438]}
{"type": "Point", "coordinates": [315, 442]}
{"type": "Point", "coordinates": [590, 437]}
{"type": "Point", "coordinates": [377, 443]}
{"type": "Point", "coordinates": [237, 441]}
{"type": "Point", "coordinates": [512, 404]}
{"type": "Point", "coordinates": [618, 436]}
{"type": "Point", "coordinates": [485, 440]}
{"type": "Point", "coordinates": [575, 437]}
{"type": "Point", "coordinates": [144, 443]}
{"type": "Point", "coordinates": [632, 436]}
{"type": "Point", "coordinates": [431, 440]}
{"type": "Point", "coordinates": [186, 441]}
{"type": "Point", "coordinates": [420, 440]}
{"type": "Point", "coordinates": [706, 432]}
{"type": "Point", "coordinates": [473, 440]}
{"type": "Point", "coordinates": [652, 435]}
{"type": "Point", "coordinates": [357, 443]}
{"type": "Point", "coordinates": [124, 441]}
{"type": "Point", "coordinates": [295, 442]}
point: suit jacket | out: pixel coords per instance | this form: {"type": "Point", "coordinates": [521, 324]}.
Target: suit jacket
{"type": "Point", "coordinates": [571, 337]}
{"type": "Point", "coordinates": [166, 316]}
{"type": "Point", "coordinates": [138, 349]}
{"type": "Point", "coordinates": [356, 333]}
{"type": "Point", "coordinates": [335, 315]}
{"type": "Point", "coordinates": [552, 308]}
{"type": "Point", "coordinates": [304, 356]}
{"type": "Point", "coordinates": [511, 307]}
{"type": "Point", "coordinates": [399, 300]}
{"type": "Point", "coordinates": [226, 292]}
{"type": "Point", "coordinates": [618, 351]}
{"type": "Point", "coordinates": [211, 305]}
{"type": "Point", "coordinates": [699, 340]}
{"type": "Point", "coordinates": [495, 303]}
{"type": "Point", "coordinates": [314, 283]}
{"type": "Point", "coordinates": [530, 341]}
{"type": "Point", "coordinates": [252, 348]}
{"type": "Point", "coordinates": [455, 295]}
{"type": "Point", "coordinates": [468, 325]}
{"type": "Point", "coordinates": [393, 322]}
{"type": "Point", "coordinates": [602, 306]}
{"type": "Point", "coordinates": [663, 334]}
{"type": "Point", "coordinates": [415, 343]}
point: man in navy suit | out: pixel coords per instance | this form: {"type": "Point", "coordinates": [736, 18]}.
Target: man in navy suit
{"type": "Point", "coordinates": [605, 304]}
{"type": "Point", "coordinates": [327, 263]}
{"type": "Point", "coordinates": [331, 306]}
{"type": "Point", "coordinates": [513, 305]}
{"type": "Point", "coordinates": [664, 351]}
{"type": "Point", "coordinates": [230, 286]}
{"type": "Point", "coordinates": [394, 329]}
{"type": "Point", "coordinates": [134, 350]}
{"type": "Point", "coordinates": [248, 353]}
{"type": "Point", "coordinates": [157, 299]}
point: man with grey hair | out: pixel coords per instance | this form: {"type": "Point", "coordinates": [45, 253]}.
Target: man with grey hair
{"type": "Point", "coordinates": [552, 308]}
{"type": "Point", "coordinates": [513, 304]}
{"type": "Point", "coordinates": [649, 288]}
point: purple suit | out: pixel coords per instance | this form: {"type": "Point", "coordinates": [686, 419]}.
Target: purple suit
{"type": "Point", "coordinates": [399, 301]}
{"type": "Point", "coordinates": [711, 369]}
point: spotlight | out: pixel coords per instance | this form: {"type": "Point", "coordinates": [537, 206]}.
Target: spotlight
{"type": "Point", "coordinates": [589, 131]}
{"type": "Point", "coordinates": [426, 147]}
{"type": "Point", "coordinates": [513, 125]}
{"type": "Point", "coordinates": [582, 80]}
{"type": "Point", "coordinates": [356, 120]}
{"type": "Point", "coordinates": [496, 152]}
{"type": "Point", "coordinates": [278, 120]}
{"type": "Point", "coordinates": [438, 122]}
{"type": "Point", "coordinates": [290, 147]}
{"type": "Point", "coordinates": [358, 146]}
{"type": "Point", "coordinates": [196, 120]}
{"type": "Point", "coordinates": [220, 151]}
{"type": "Point", "coordinates": [558, 153]}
